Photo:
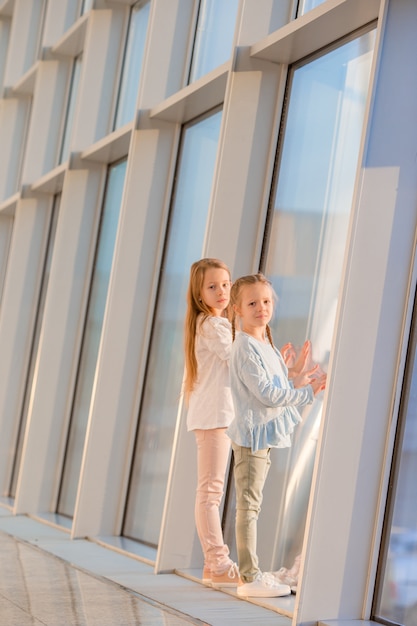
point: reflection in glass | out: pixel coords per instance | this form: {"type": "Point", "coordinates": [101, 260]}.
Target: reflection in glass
{"type": "Point", "coordinates": [161, 396]}
{"type": "Point", "coordinates": [132, 64]}
{"type": "Point", "coordinates": [35, 343]}
{"type": "Point", "coordinates": [69, 118]}
{"type": "Point", "coordinates": [398, 599]}
{"type": "Point", "coordinates": [214, 36]}
{"type": "Point", "coordinates": [91, 339]}
{"type": "Point", "coordinates": [307, 238]}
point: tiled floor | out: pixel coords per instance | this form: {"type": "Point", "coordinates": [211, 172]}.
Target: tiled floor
{"type": "Point", "coordinates": [47, 579]}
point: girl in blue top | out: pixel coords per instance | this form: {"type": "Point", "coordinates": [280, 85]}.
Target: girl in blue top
{"type": "Point", "coordinates": [266, 412]}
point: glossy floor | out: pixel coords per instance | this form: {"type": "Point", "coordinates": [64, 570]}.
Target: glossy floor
{"type": "Point", "coordinates": [47, 579]}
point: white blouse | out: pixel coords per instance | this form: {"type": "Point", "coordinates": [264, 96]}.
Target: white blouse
{"type": "Point", "coordinates": [211, 404]}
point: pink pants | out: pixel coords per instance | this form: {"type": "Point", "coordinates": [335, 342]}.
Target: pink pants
{"type": "Point", "coordinates": [212, 457]}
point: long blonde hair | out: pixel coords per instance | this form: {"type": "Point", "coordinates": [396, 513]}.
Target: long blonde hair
{"type": "Point", "coordinates": [196, 307]}
{"type": "Point", "coordinates": [236, 294]}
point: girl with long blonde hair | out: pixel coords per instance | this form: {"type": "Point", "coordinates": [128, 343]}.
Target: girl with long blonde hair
{"type": "Point", "coordinates": [207, 346]}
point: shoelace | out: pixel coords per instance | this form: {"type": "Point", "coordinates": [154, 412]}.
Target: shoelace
{"type": "Point", "coordinates": [233, 571]}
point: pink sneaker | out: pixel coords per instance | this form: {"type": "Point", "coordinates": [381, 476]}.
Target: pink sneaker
{"type": "Point", "coordinates": [206, 578]}
{"type": "Point", "coordinates": [228, 578]}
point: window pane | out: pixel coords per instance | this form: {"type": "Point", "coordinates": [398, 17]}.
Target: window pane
{"type": "Point", "coordinates": [4, 44]}
{"type": "Point", "coordinates": [398, 601]}
{"type": "Point", "coordinates": [309, 228]}
{"type": "Point", "coordinates": [165, 367]}
{"type": "Point", "coordinates": [86, 5]}
{"type": "Point", "coordinates": [214, 36]}
{"type": "Point", "coordinates": [91, 340]}
{"type": "Point", "coordinates": [75, 79]}
{"type": "Point", "coordinates": [307, 5]}
{"type": "Point", "coordinates": [35, 343]}
{"type": "Point", "coordinates": [132, 64]}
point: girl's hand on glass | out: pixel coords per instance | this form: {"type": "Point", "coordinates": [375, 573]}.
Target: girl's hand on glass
{"type": "Point", "coordinates": [303, 363]}
{"type": "Point", "coordinates": [305, 378]}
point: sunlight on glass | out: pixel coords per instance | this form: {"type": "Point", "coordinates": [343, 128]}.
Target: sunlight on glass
{"type": "Point", "coordinates": [309, 230]}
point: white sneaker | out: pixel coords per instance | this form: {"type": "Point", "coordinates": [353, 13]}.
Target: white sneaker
{"type": "Point", "coordinates": [264, 586]}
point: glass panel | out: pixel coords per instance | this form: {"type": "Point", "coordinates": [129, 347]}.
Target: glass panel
{"type": "Point", "coordinates": [398, 598]}
{"type": "Point", "coordinates": [307, 5]}
{"type": "Point", "coordinates": [91, 340]}
{"type": "Point", "coordinates": [35, 343]}
{"type": "Point", "coordinates": [86, 5]}
{"type": "Point", "coordinates": [214, 36]}
{"type": "Point", "coordinates": [307, 238]}
{"type": "Point", "coordinates": [42, 15]}
{"type": "Point", "coordinates": [165, 366]}
{"type": "Point", "coordinates": [72, 98]}
{"type": "Point", "coordinates": [132, 64]}
{"type": "Point", "coordinates": [6, 230]}
{"type": "Point", "coordinates": [4, 44]}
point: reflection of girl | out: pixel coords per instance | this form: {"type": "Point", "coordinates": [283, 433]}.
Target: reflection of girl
{"type": "Point", "coordinates": [208, 342]}
{"type": "Point", "coordinates": [266, 414]}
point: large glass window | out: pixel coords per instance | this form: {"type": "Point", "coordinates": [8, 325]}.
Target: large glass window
{"type": "Point", "coordinates": [132, 64]}
{"type": "Point", "coordinates": [397, 598]}
{"type": "Point", "coordinates": [304, 251]}
{"type": "Point", "coordinates": [35, 344]}
{"type": "Point", "coordinates": [69, 117]}
{"type": "Point", "coordinates": [214, 36]}
{"type": "Point", "coordinates": [184, 245]}
{"type": "Point", "coordinates": [91, 339]}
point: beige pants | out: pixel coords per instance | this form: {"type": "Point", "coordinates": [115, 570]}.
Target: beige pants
{"type": "Point", "coordinates": [250, 472]}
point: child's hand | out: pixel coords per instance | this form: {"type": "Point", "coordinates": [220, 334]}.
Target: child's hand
{"type": "Point", "coordinates": [303, 363]}
{"type": "Point", "coordinates": [306, 378]}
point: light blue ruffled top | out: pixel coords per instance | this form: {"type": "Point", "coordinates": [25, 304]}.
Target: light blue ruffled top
{"type": "Point", "coordinates": [265, 401]}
